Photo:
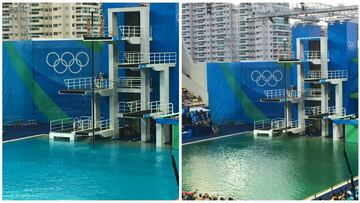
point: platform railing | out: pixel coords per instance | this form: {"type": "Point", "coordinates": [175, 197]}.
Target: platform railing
{"type": "Point", "coordinates": [128, 31]}
{"type": "Point", "coordinates": [310, 55]}
{"type": "Point", "coordinates": [315, 110]}
{"type": "Point", "coordinates": [280, 93]}
{"type": "Point", "coordinates": [312, 92]}
{"type": "Point", "coordinates": [262, 124]}
{"type": "Point", "coordinates": [162, 58]}
{"type": "Point", "coordinates": [97, 32]}
{"type": "Point", "coordinates": [277, 123]}
{"type": "Point", "coordinates": [130, 82]}
{"type": "Point", "coordinates": [132, 106]}
{"type": "Point", "coordinates": [61, 124]}
{"type": "Point", "coordinates": [331, 74]}
{"type": "Point", "coordinates": [103, 124]}
{"type": "Point", "coordinates": [293, 124]}
{"type": "Point", "coordinates": [147, 58]}
{"type": "Point", "coordinates": [84, 124]}
{"type": "Point", "coordinates": [86, 83]}
{"type": "Point", "coordinates": [335, 110]}
{"type": "Point", "coordinates": [163, 109]}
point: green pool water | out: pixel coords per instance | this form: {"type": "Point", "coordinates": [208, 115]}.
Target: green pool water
{"type": "Point", "coordinates": [249, 168]}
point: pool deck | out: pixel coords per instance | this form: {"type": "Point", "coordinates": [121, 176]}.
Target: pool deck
{"type": "Point", "coordinates": [225, 131]}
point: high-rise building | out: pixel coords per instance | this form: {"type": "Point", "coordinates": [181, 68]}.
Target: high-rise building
{"type": "Point", "coordinates": [207, 31]}
{"type": "Point", "coordinates": [222, 32]}
{"type": "Point", "coordinates": [47, 20]}
{"type": "Point", "coordinates": [262, 39]}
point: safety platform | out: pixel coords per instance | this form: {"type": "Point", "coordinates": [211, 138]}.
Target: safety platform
{"type": "Point", "coordinates": [272, 127]}
{"type": "Point", "coordinates": [157, 61]}
{"type": "Point", "coordinates": [140, 109]}
{"type": "Point", "coordinates": [73, 128]}
{"type": "Point", "coordinates": [317, 112]}
{"type": "Point", "coordinates": [83, 86]}
{"type": "Point", "coordinates": [331, 76]}
{"type": "Point", "coordinates": [281, 95]}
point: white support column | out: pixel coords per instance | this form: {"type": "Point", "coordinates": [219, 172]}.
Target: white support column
{"type": "Point", "coordinates": [145, 74]}
{"type": "Point", "coordinates": [324, 86]}
{"type": "Point", "coordinates": [97, 113]}
{"type": "Point", "coordinates": [159, 135]}
{"type": "Point", "coordinates": [164, 97]}
{"type": "Point", "coordinates": [338, 106]}
{"type": "Point", "coordinates": [300, 84]}
{"type": "Point", "coordinates": [337, 131]}
{"type": "Point", "coordinates": [113, 74]}
{"type": "Point", "coordinates": [324, 107]}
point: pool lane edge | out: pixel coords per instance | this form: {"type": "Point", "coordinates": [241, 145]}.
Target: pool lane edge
{"type": "Point", "coordinates": [23, 138]}
{"type": "Point", "coordinates": [215, 138]}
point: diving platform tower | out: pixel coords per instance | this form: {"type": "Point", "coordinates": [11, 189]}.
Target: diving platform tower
{"type": "Point", "coordinates": [311, 96]}
{"type": "Point", "coordinates": [137, 65]}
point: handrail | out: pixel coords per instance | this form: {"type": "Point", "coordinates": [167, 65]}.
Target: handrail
{"type": "Point", "coordinates": [331, 74]}
{"type": "Point", "coordinates": [103, 124]}
{"type": "Point", "coordinates": [147, 58]}
{"type": "Point", "coordinates": [86, 82]}
{"type": "Point", "coordinates": [280, 93]}
{"type": "Point", "coordinates": [129, 82]}
{"type": "Point", "coordinates": [131, 106]}
{"type": "Point", "coordinates": [128, 31]}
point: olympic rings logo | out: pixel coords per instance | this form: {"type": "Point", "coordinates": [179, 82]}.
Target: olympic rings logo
{"type": "Point", "coordinates": [351, 44]}
{"type": "Point", "coordinates": [66, 61]}
{"type": "Point", "coordinates": [266, 77]}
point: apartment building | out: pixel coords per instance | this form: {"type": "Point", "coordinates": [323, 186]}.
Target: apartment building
{"type": "Point", "coordinates": [23, 21]}
{"type": "Point", "coordinates": [207, 31]}
{"type": "Point", "coordinates": [262, 39]}
{"type": "Point", "coordinates": [222, 31]}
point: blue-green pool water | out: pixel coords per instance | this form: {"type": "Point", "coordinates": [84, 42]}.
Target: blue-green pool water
{"type": "Point", "coordinates": [248, 168]}
{"type": "Point", "coordinates": [36, 169]}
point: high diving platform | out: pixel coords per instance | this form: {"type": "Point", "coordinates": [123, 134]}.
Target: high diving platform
{"type": "Point", "coordinates": [281, 95]}
{"type": "Point", "coordinates": [141, 109]}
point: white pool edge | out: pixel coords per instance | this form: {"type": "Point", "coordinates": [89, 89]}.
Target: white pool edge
{"type": "Point", "coordinates": [23, 138]}
{"type": "Point", "coordinates": [215, 138]}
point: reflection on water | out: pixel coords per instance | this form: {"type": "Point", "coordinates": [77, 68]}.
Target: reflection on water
{"type": "Point", "coordinates": [266, 168]}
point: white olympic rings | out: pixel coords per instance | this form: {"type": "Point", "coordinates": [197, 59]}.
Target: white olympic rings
{"type": "Point", "coordinates": [67, 64]}
{"type": "Point", "coordinates": [351, 44]}
{"type": "Point", "coordinates": [266, 77]}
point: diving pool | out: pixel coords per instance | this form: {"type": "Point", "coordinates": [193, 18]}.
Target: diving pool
{"type": "Point", "coordinates": [249, 168]}
{"type": "Point", "coordinates": [37, 169]}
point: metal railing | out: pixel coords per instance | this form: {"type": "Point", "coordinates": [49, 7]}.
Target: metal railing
{"type": "Point", "coordinates": [86, 83]}
{"type": "Point", "coordinates": [332, 110]}
{"type": "Point", "coordinates": [312, 92]}
{"type": "Point", "coordinates": [82, 124]}
{"type": "Point", "coordinates": [61, 124]}
{"type": "Point", "coordinates": [280, 93]}
{"type": "Point", "coordinates": [274, 124]}
{"type": "Point", "coordinates": [147, 58]}
{"type": "Point", "coordinates": [129, 82]}
{"type": "Point", "coordinates": [316, 110]}
{"type": "Point", "coordinates": [103, 124]}
{"type": "Point", "coordinates": [128, 31]}
{"type": "Point", "coordinates": [335, 110]}
{"type": "Point", "coordinates": [132, 106]}
{"type": "Point", "coordinates": [262, 124]}
{"type": "Point", "coordinates": [162, 109]}
{"type": "Point", "coordinates": [310, 55]}
{"type": "Point", "coordinates": [97, 32]}
{"type": "Point", "coordinates": [331, 74]}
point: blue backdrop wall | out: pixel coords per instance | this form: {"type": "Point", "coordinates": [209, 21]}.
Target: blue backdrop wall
{"type": "Point", "coordinates": [32, 77]}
